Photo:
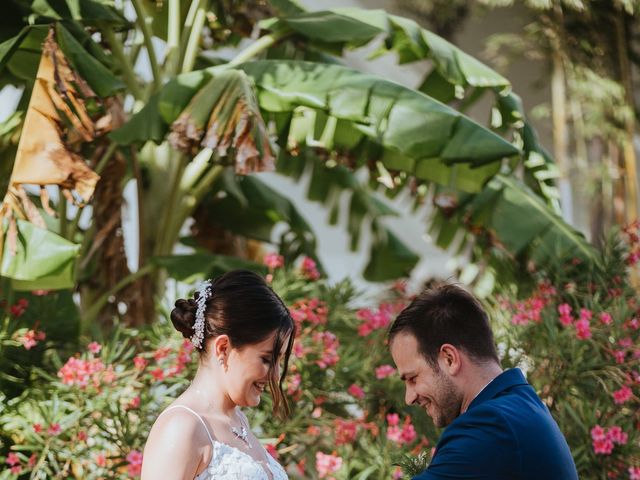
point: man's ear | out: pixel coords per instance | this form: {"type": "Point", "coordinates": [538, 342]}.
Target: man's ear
{"type": "Point", "coordinates": [449, 359]}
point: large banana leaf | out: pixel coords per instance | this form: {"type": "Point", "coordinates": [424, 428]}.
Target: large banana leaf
{"type": "Point", "coordinates": [42, 260]}
{"type": "Point", "coordinates": [354, 27]}
{"type": "Point", "coordinates": [417, 134]}
{"type": "Point", "coordinates": [453, 73]}
{"type": "Point", "coordinates": [513, 220]}
{"type": "Point", "coordinates": [415, 130]}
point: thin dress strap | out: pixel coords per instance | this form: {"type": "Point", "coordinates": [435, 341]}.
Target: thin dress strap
{"type": "Point", "coordinates": [198, 416]}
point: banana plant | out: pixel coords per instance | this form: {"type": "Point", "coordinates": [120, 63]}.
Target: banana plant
{"type": "Point", "coordinates": [187, 133]}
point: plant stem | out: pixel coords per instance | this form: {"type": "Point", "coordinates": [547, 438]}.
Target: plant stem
{"type": "Point", "coordinates": [173, 37]}
{"type": "Point", "coordinates": [62, 213]}
{"type": "Point", "coordinates": [142, 244]}
{"type": "Point", "coordinates": [164, 244]}
{"type": "Point", "coordinates": [188, 25]}
{"type": "Point", "coordinates": [143, 21]}
{"type": "Point", "coordinates": [191, 51]}
{"type": "Point", "coordinates": [128, 74]}
{"type": "Point", "coordinates": [101, 301]}
{"type": "Point", "coordinates": [258, 46]}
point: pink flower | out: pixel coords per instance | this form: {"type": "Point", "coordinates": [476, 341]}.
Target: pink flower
{"type": "Point", "coordinates": [139, 362]}
{"type": "Point", "coordinates": [19, 307]}
{"type": "Point", "coordinates": [31, 338]}
{"type": "Point", "coordinates": [355, 391]}
{"type": "Point", "coordinates": [134, 457]}
{"type": "Point", "coordinates": [13, 459]}
{"type": "Point", "coordinates": [327, 464]}
{"type": "Point", "coordinates": [617, 435]}
{"type": "Point", "coordinates": [345, 431]}
{"type": "Point", "coordinates": [37, 428]}
{"type": "Point", "coordinates": [384, 371]}
{"type": "Point", "coordinates": [101, 460]}
{"type": "Point", "coordinates": [619, 355]}
{"type": "Point", "coordinates": [294, 383]}
{"type": "Point", "coordinates": [598, 433]}
{"type": "Point", "coordinates": [80, 372]}
{"type": "Point", "coordinates": [309, 310]}
{"type": "Point", "coordinates": [157, 374]}
{"type": "Point", "coordinates": [273, 261]}
{"type": "Point", "coordinates": [134, 402]}
{"type": "Point", "coordinates": [405, 435]}
{"type": "Point", "coordinates": [564, 309]}
{"type": "Point", "coordinates": [605, 318]}
{"type": "Point", "coordinates": [94, 347]}
{"type": "Point", "coordinates": [393, 419]}
{"type": "Point", "coordinates": [565, 314]}
{"type": "Point", "coordinates": [16, 470]}
{"type": "Point", "coordinates": [54, 429]}
{"type": "Point", "coordinates": [32, 460]}
{"type": "Point", "coordinates": [330, 344]}
{"type": "Point", "coordinates": [583, 330]}
{"type": "Point", "coordinates": [603, 446]}
{"type": "Point", "coordinates": [585, 314]}
{"type": "Point", "coordinates": [622, 395]}
{"type": "Point", "coordinates": [634, 473]}
{"type": "Point", "coordinates": [397, 473]}
{"type": "Point", "coordinates": [308, 268]}
{"type": "Point", "coordinates": [377, 319]}
{"type": "Point", "coordinates": [626, 342]}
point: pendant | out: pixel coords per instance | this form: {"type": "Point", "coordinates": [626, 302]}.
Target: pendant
{"type": "Point", "coordinates": [242, 435]}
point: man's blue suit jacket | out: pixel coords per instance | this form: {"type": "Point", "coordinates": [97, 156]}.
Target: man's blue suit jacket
{"type": "Point", "coordinates": [506, 433]}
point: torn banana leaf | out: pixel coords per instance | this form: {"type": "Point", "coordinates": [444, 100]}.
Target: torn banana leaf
{"type": "Point", "coordinates": [224, 115]}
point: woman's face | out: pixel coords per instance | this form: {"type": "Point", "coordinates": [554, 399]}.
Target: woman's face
{"type": "Point", "coordinates": [249, 371]}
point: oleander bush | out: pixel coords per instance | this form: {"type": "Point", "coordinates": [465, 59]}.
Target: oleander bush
{"type": "Point", "coordinates": [86, 414]}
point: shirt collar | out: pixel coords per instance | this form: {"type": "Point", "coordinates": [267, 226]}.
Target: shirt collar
{"type": "Point", "coordinates": [507, 379]}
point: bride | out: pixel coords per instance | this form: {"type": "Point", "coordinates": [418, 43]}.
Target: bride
{"type": "Point", "coordinates": [243, 332]}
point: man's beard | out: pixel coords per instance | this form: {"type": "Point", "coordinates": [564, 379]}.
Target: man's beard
{"type": "Point", "coordinates": [447, 403]}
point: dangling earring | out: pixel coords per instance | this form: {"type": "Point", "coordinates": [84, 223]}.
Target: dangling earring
{"type": "Point", "coordinates": [221, 361]}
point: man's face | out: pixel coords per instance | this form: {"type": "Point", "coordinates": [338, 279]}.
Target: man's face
{"type": "Point", "coordinates": [431, 389]}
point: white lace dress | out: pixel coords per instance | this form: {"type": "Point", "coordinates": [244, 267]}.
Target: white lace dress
{"type": "Point", "coordinates": [229, 463]}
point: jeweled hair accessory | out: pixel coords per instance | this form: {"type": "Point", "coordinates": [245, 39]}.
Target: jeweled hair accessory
{"type": "Point", "coordinates": [204, 293]}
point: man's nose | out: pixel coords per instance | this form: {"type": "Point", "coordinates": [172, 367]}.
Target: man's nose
{"type": "Point", "coordinates": [410, 396]}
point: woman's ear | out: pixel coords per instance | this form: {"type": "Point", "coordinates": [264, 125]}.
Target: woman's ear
{"type": "Point", "coordinates": [221, 346]}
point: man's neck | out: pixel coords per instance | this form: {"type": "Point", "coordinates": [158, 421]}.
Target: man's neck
{"type": "Point", "coordinates": [478, 378]}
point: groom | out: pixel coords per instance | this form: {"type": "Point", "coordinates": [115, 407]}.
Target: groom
{"type": "Point", "coordinates": [496, 426]}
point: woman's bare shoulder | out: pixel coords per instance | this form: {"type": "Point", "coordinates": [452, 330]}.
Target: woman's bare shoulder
{"type": "Point", "coordinates": [177, 443]}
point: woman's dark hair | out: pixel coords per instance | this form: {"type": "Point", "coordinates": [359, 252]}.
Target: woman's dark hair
{"type": "Point", "coordinates": [443, 314]}
{"type": "Point", "coordinates": [243, 306]}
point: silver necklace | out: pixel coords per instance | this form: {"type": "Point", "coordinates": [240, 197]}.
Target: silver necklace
{"type": "Point", "coordinates": [242, 434]}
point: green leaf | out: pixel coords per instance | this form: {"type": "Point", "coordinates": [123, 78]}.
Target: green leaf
{"type": "Point", "coordinates": [353, 27]}
{"type": "Point", "coordinates": [43, 259]}
{"type": "Point", "coordinates": [522, 220]}
{"type": "Point", "coordinates": [389, 258]}
{"type": "Point", "coordinates": [257, 209]}
{"type": "Point", "coordinates": [193, 267]}
{"type": "Point", "coordinates": [87, 11]}
{"type": "Point", "coordinates": [145, 125]}
{"type": "Point", "coordinates": [8, 47]}
{"type": "Point", "coordinates": [22, 59]}
{"type": "Point", "coordinates": [99, 77]}
{"type": "Point", "coordinates": [393, 116]}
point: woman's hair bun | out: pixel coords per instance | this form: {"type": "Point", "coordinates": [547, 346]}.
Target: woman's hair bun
{"type": "Point", "coordinates": [183, 316]}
